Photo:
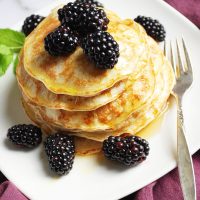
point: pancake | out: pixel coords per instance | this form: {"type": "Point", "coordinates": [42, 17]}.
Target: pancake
{"type": "Point", "coordinates": [87, 147]}
{"type": "Point", "coordinates": [84, 146]}
{"type": "Point", "coordinates": [109, 116]}
{"type": "Point", "coordinates": [150, 111]}
{"type": "Point", "coordinates": [75, 74]}
{"type": "Point", "coordinates": [145, 114]}
{"type": "Point", "coordinates": [69, 94]}
{"type": "Point", "coordinates": [39, 94]}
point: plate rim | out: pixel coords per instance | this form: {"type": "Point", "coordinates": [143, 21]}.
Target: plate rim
{"type": "Point", "coordinates": [169, 167]}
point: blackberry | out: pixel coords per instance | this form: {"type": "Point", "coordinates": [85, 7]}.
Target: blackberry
{"type": "Point", "coordinates": [129, 150]}
{"type": "Point", "coordinates": [31, 23]}
{"type": "Point", "coordinates": [60, 150]}
{"type": "Point", "coordinates": [23, 135]}
{"type": "Point", "coordinates": [101, 48]}
{"type": "Point", "coordinates": [91, 2]}
{"type": "Point", "coordinates": [61, 41]}
{"type": "Point", "coordinates": [83, 18]}
{"type": "Point", "coordinates": [153, 27]}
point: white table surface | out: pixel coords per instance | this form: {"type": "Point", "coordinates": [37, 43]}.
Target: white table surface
{"type": "Point", "coordinates": [12, 11]}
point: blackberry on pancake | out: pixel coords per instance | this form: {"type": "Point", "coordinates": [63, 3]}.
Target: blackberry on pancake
{"type": "Point", "coordinates": [91, 2]}
{"type": "Point", "coordinates": [102, 49]}
{"type": "Point", "coordinates": [83, 18]}
{"type": "Point", "coordinates": [61, 41]}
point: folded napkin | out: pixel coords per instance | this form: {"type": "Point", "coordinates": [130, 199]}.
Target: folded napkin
{"type": "Point", "coordinates": [8, 191]}
{"type": "Point", "coordinates": [189, 8]}
{"type": "Point", "coordinates": [167, 187]}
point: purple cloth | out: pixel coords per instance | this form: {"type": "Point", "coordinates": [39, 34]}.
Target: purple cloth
{"type": "Point", "coordinates": [189, 8]}
{"type": "Point", "coordinates": [167, 187]}
{"type": "Point", "coordinates": [8, 191]}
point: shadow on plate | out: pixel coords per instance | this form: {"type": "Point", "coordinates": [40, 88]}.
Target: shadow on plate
{"type": "Point", "coordinates": [14, 111]}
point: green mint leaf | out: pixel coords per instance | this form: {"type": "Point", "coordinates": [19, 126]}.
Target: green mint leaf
{"type": "Point", "coordinates": [11, 42]}
{"type": "Point", "coordinates": [5, 50]}
{"type": "Point", "coordinates": [5, 61]}
{"type": "Point", "coordinates": [12, 39]}
{"type": "Point", "coordinates": [15, 63]}
{"type": "Point", "coordinates": [6, 57]}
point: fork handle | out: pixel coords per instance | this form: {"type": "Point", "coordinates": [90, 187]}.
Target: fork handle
{"type": "Point", "coordinates": [185, 165]}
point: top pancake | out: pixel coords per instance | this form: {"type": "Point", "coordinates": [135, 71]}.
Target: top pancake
{"type": "Point", "coordinates": [75, 74]}
{"type": "Point", "coordinates": [38, 93]}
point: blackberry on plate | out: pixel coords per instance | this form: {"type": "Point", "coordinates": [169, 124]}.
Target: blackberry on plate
{"type": "Point", "coordinates": [83, 18]}
{"type": "Point", "coordinates": [61, 41]}
{"type": "Point", "coordinates": [31, 23]}
{"type": "Point", "coordinates": [91, 2]}
{"type": "Point", "coordinates": [129, 150]}
{"type": "Point", "coordinates": [23, 135]}
{"type": "Point", "coordinates": [101, 48]}
{"type": "Point", "coordinates": [60, 150]}
{"type": "Point", "coordinates": [153, 27]}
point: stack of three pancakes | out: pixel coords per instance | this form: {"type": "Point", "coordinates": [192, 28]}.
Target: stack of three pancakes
{"type": "Point", "coordinates": [71, 95]}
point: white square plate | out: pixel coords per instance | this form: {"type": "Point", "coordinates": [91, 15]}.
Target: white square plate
{"type": "Point", "coordinates": [92, 177]}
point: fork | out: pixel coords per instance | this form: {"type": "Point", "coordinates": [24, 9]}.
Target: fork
{"type": "Point", "coordinates": [184, 79]}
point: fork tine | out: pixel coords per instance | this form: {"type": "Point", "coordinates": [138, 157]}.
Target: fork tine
{"type": "Point", "coordinates": [188, 62]}
{"type": "Point", "coordinates": [180, 63]}
{"type": "Point", "coordinates": [172, 59]}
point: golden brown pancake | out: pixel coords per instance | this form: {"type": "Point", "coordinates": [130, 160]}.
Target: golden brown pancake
{"type": "Point", "coordinates": [71, 95]}
{"type": "Point", "coordinates": [83, 146]}
{"type": "Point", "coordinates": [75, 74]}
{"type": "Point", "coordinates": [39, 94]}
{"type": "Point", "coordinates": [144, 115]}
{"type": "Point", "coordinates": [109, 116]}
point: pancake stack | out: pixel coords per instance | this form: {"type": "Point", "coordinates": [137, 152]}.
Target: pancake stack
{"type": "Point", "coordinates": [71, 95]}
